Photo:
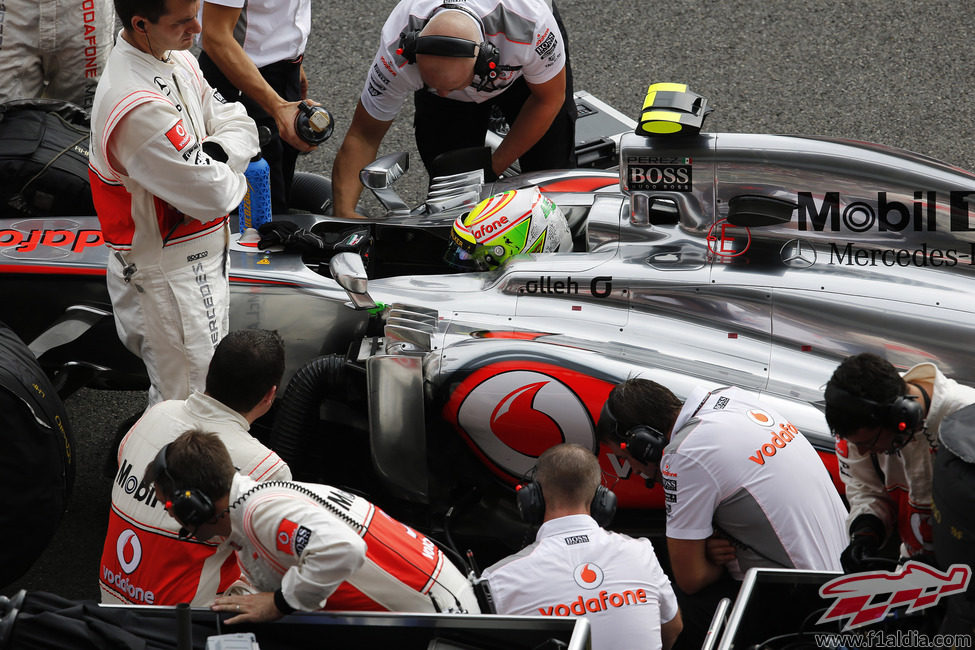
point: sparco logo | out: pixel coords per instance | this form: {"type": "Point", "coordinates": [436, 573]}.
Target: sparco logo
{"type": "Point", "coordinates": [883, 215]}
{"type": "Point", "coordinates": [197, 256]}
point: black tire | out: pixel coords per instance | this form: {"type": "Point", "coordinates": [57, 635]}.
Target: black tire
{"type": "Point", "coordinates": [311, 193]}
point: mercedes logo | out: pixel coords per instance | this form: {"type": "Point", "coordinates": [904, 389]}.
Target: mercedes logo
{"type": "Point", "coordinates": [798, 253]}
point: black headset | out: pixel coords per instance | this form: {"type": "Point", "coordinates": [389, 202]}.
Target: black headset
{"type": "Point", "coordinates": [904, 414]}
{"type": "Point", "coordinates": [644, 443]}
{"type": "Point", "coordinates": [189, 505]}
{"type": "Point", "coordinates": [485, 54]}
{"type": "Point", "coordinates": [531, 504]}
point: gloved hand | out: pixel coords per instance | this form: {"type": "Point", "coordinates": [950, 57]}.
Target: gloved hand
{"type": "Point", "coordinates": [866, 536]}
{"type": "Point", "coordinates": [290, 236]}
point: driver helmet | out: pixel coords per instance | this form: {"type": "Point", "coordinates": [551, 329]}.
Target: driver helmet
{"type": "Point", "coordinates": [505, 225]}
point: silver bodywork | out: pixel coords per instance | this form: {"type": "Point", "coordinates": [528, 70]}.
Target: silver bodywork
{"type": "Point", "coordinates": [660, 284]}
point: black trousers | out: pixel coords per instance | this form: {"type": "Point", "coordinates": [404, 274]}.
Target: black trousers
{"type": "Point", "coordinates": [285, 78]}
{"type": "Point", "coordinates": [442, 125]}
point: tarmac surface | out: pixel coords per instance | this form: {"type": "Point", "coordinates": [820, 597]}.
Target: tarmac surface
{"type": "Point", "coordinates": [889, 71]}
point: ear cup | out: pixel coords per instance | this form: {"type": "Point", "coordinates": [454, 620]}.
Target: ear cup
{"type": "Point", "coordinates": [531, 503]}
{"type": "Point", "coordinates": [642, 441]}
{"type": "Point", "coordinates": [904, 415]}
{"type": "Point", "coordinates": [485, 66]}
{"type": "Point", "coordinates": [603, 506]}
{"type": "Point", "coordinates": [190, 506]}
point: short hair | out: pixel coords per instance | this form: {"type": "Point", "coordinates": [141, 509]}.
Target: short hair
{"type": "Point", "coordinates": [153, 10]}
{"type": "Point", "coordinates": [568, 474]}
{"type": "Point", "coordinates": [639, 401]}
{"type": "Point", "coordinates": [245, 366]}
{"type": "Point", "coordinates": [863, 375]}
{"type": "Point", "coordinates": [194, 461]}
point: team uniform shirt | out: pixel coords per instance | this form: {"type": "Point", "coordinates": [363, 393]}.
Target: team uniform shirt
{"type": "Point", "coordinates": [898, 488]}
{"type": "Point", "coordinates": [54, 48]}
{"type": "Point", "coordinates": [576, 568]}
{"type": "Point", "coordinates": [270, 31]}
{"type": "Point", "coordinates": [163, 209]}
{"type": "Point", "coordinates": [738, 467]}
{"type": "Point", "coordinates": [524, 31]}
{"type": "Point", "coordinates": [325, 548]}
{"type": "Point", "coordinates": [143, 561]}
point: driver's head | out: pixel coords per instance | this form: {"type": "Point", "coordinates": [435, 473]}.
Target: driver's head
{"type": "Point", "coordinates": [505, 225]}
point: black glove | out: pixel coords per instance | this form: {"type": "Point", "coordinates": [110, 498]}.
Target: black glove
{"type": "Point", "coordinates": [866, 536]}
{"type": "Point", "coordinates": [274, 233]}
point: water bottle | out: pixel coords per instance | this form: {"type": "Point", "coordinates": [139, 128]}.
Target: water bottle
{"type": "Point", "coordinates": [255, 209]}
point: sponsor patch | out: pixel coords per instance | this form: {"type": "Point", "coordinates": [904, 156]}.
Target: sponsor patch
{"type": "Point", "coordinates": [179, 136]}
{"type": "Point", "coordinates": [301, 539]}
{"type": "Point", "coordinates": [760, 417]}
{"type": "Point", "coordinates": [721, 403]}
{"type": "Point", "coordinates": [546, 46]}
{"type": "Point", "coordinates": [286, 532]}
{"type": "Point", "coordinates": [670, 484]}
{"type": "Point", "coordinates": [577, 539]}
{"type": "Point", "coordinates": [842, 448]}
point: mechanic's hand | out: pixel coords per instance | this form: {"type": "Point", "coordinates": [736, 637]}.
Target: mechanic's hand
{"type": "Point", "coordinates": [866, 536]}
{"type": "Point", "coordinates": [253, 608]}
{"type": "Point", "coordinates": [719, 550]}
{"type": "Point", "coordinates": [284, 118]}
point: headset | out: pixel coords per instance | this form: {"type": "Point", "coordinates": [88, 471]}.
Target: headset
{"type": "Point", "coordinates": [190, 506]}
{"type": "Point", "coordinates": [531, 504]}
{"type": "Point", "coordinates": [485, 53]}
{"type": "Point", "coordinates": [904, 415]}
{"type": "Point", "coordinates": [644, 443]}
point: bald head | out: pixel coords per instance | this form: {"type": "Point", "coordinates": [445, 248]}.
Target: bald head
{"type": "Point", "coordinates": [447, 73]}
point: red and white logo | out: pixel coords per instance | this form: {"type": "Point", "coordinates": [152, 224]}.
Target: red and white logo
{"type": "Point", "coordinates": [588, 575]}
{"type": "Point", "coordinates": [286, 533]}
{"type": "Point", "coordinates": [728, 240]}
{"type": "Point", "coordinates": [916, 585]}
{"type": "Point", "coordinates": [842, 448]}
{"type": "Point", "coordinates": [512, 417]}
{"type": "Point", "coordinates": [178, 136]}
{"type": "Point", "coordinates": [760, 417]}
{"type": "Point", "coordinates": [128, 560]}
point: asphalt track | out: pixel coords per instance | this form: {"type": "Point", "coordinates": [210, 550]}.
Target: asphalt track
{"type": "Point", "coordinates": [893, 72]}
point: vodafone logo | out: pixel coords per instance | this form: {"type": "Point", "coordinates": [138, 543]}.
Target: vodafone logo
{"type": "Point", "coordinates": [760, 418]}
{"type": "Point", "coordinates": [588, 575]}
{"type": "Point", "coordinates": [490, 228]}
{"type": "Point", "coordinates": [512, 417]}
{"type": "Point", "coordinates": [128, 559]}
{"type": "Point", "coordinates": [178, 136]}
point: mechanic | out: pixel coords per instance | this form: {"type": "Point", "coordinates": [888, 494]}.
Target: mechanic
{"type": "Point", "coordinates": [173, 570]}
{"type": "Point", "coordinates": [953, 512]}
{"type": "Point", "coordinates": [443, 53]}
{"type": "Point", "coordinates": [575, 567]}
{"type": "Point", "coordinates": [166, 166]}
{"type": "Point", "coordinates": [886, 428]}
{"type": "Point", "coordinates": [744, 488]}
{"type": "Point", "coordinates": [504, 225]}
{"type": "Point", "coordinates": [252, 53]}
{"type": "Point", "coordinates": [54, 48]}
{"type": "Point", "coordinates": [302, 546]}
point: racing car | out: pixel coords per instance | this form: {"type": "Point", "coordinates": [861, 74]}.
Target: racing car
{"type": "Point", "coordinates": [701, 259]}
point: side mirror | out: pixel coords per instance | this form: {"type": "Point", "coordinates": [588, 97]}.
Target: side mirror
{"type": "Point", "coordinates": [379, 177]}
{"type": "Point", "coordinates": [348, 270]}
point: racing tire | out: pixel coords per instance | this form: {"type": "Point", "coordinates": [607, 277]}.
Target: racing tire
{"type": "Point", "coordinates": [37, 464]}
{"type": "Point", "coordinates": [311, 193]}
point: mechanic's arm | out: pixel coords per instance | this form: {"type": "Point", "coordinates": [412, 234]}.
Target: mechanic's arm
{"type": "Point", "coordinates": [864, 487]}
{"type": "Point", "coordinates": [359, 148]}
{"type": "Point", "coordinates": [534, 119]}
{"type": "Point", "coordinates": [176, 170]}
{"type": "Point", "coordinates": [692, 569]}
{"type": "Point", "coordinates": [670, 630]}
{"type": "Point", "coordinates": [218, 41]}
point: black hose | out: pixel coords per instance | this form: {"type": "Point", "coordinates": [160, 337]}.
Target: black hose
{"type": "Point", "coordinates": [297, 418]}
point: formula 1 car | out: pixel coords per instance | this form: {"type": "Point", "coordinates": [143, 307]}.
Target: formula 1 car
{"type": "Point", "coordinates": [703, 259]}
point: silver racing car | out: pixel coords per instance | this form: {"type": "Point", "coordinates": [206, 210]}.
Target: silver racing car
{"type": "Point", "coordinates": [701, 259]}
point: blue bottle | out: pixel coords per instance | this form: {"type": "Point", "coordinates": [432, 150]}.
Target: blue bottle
{"type": "Point", "coordinates": [255, 209]}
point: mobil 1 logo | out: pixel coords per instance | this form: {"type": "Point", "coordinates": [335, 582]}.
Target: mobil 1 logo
{"type": "Point", "coordinates": [658, 173]}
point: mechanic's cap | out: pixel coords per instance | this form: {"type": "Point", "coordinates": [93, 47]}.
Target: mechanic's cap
{"type": "Point", "coordinates": [671, 109]}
